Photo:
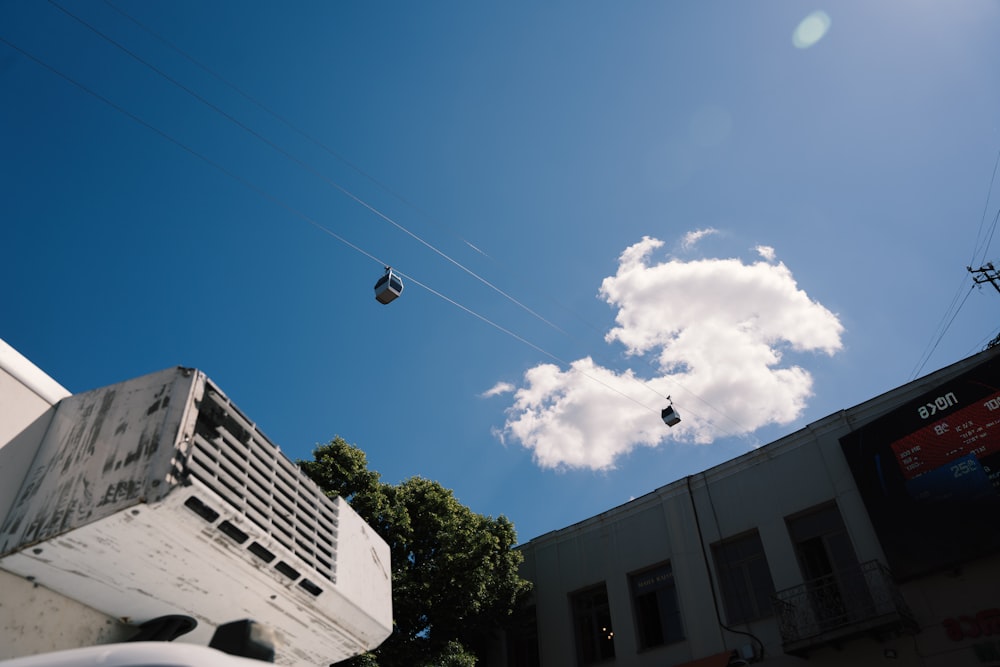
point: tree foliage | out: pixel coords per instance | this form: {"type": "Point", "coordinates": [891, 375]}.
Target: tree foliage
{"type": "Point", "coordinates": [454, 572]}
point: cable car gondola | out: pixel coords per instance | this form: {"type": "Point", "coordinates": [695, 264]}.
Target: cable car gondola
{"type": "Point", "coordinates": [388, 286]}
{"type": "Point", "coordinates": [669, 415]}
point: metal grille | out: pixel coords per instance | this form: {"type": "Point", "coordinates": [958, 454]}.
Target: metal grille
{"type": "Point", "coordinates": [236, 461]}
{"type": "Point", "coordinates": [837, 604]}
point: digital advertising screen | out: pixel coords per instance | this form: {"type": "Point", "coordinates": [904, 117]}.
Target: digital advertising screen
{"type": "Point", "coordinates": [929, 474]}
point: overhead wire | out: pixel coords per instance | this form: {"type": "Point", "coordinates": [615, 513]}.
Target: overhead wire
{"type": "Point", "coordinates": [525, 341]}
{"type": "Point", "coordinates": [288, 123]}
{"type": "Point", "coordinates": [356, 168]}
{"type": "Point", "coordinates": [312, 170]}
{"type": "Point", "coordinates": [186, 148]}
{"type": "Point", "coordinates": [288, 155]}
{"type": "Point", "coordinates": [980, 244]}
{"type": "Point", "coordinates": [350, 164]}
{"type": "Point", "coordinates": [344, 191]}
{"type": "Point", "coordinates": [291, 209]}
{"type": "Point", "coordinates": [981, 247]}
{"type": "Point", "coordinates": [943, 329]}
{"type": "Point", "coordinates": [984, 342]}
{"type": "Point", "coordinates": [299, 162]}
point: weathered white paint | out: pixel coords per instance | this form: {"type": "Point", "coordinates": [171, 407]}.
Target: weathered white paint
{"type": "Point", "coordinates": [158, 559]}
{"type": "Point", "coordinates": [35, 619]}
{"type": "Point", "coordinates": [27, 395]}
{"type": "Point", "coordinates": [103, 516]}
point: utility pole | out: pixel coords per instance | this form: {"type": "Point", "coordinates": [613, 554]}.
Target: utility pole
{"type": "Point", "coordinates": [986, 274]}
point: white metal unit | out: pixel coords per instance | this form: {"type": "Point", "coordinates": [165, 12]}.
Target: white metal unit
{"type": "Point", "coordinates": [158, 496]}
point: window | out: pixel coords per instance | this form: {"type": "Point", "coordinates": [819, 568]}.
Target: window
{"type": "Point", "coordinates": [821, 542]}
{"type": "Point", "coordinates": [744, 578]}
{"type": "Point", "coordinates": [595, 638]}
{"type": "Point", "coordinates": [837, 589]}
{"type": "Point", "coordinates": [657, 614]}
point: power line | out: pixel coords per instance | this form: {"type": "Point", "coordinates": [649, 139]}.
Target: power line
{"type": "Point", "coordinates": [314, 171]}
{"type": "Point", "coordinates": [287, 123]}
{"type": "Point", "coordinates": [350, 195]}
{"type": "Point", "coordinates": [350, 164]}
{"type": "Point", "coordinates": [982, 243]}
{"type": "Point", "coordinates": [943, 330]}
{"type": "Point", "coordinates": [303, 164]}
{"type": "Point", "coordinates": [986, 205]}
{"type": "Point", "coordinates": [260, 191]}
{"type": "Point", "coordinates": [299, 162]}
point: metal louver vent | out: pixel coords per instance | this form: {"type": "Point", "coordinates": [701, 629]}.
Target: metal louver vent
{"type": "Point", "coordinates": [158, 496]}
{"type": "Point", "coordinates": [235, 460]}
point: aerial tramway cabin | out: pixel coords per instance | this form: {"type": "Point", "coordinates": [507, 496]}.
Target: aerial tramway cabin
{"type": "Point", "coordinates": [388, 287]}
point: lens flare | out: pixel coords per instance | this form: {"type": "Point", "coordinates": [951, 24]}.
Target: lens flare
{"type": "Point", "coordinates": [811, 30]}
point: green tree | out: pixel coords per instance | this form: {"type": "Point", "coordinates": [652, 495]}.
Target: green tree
{"type": "Point", "coordinates": [454, 572]}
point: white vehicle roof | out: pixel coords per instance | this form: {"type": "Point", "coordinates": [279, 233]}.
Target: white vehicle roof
{"type": "Point", "coordinates": [139, 654]}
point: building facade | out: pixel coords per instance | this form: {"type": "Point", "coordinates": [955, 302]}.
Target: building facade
{"type": "Point", "coordinates": [869, 537]}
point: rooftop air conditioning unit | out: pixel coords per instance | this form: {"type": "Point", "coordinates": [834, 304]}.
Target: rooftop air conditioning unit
{"type": "Point", "coordinates": [157, 496]}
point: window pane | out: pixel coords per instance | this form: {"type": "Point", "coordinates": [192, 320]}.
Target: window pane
{"type": "Point", "coordinates": [744, 578]}
{"type": "Point", "coordinates": [648, 621]}
{"type": "Point", "coordinates": [595, 638]}
{"type": "Point", "coordinates": [654, 598]}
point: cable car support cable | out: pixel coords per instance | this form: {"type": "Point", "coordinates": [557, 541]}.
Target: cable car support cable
{"type": "Point", "coordinates": [297, 161]}
{"type": "Point", "coordinates": [291, 209]}
{"type": "Point", "coordinates": [323, 177]}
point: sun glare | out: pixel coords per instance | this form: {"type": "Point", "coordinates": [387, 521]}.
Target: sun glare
{"type": "Point", "coordinates": [811, 29]}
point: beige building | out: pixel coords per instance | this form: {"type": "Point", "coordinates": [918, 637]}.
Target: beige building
{"type": "Point", "coordinates": [870, 537]}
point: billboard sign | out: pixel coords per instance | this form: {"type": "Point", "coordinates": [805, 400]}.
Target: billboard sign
{"type": "Point", "coordinates": [929, 473]}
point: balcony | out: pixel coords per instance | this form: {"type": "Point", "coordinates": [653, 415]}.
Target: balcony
{"type": "Point", "coordinates": [834, 609]}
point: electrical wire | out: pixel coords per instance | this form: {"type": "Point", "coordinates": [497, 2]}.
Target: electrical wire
{"type": "Point", "coordinates": [346, 193]}
{"type": "Point", "coordinates": [340, 157]}
{"type": "Point", "coordinates": [525, 341]}
{"type": "Point", "coordinates": [287, 123]}
{"type": "Point", "coordinates": [272, 198]}
{"type": "Point", "coordinates": [981, 247]}
{"type": "Point", "coordinates": [299, 162]}
{"type": "Point", "coordinates": [943, 330]}
{"type": "Point", "coordinates": [984, 246]}
{"type": "Point", "coordinates": [332, 183]}
{"type": "Point", "coordinates": [984, 342]}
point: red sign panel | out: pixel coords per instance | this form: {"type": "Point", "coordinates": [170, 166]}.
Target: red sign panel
{"type": "Point", "coordinates": [966, 431]}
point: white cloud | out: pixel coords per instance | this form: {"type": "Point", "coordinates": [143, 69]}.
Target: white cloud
{"type": "Point", "coordinates": [713, 331]}
{"type": "Point", "coordinates": [766, 251]}
{"type": "Point", "coordinates": [581, 417]}
{"type": "Point", "coordinates": [691, 238]}
{"type": "Point", "coordinates": [498, 389]}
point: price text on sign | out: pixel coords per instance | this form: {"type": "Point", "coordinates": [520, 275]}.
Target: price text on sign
{"type": "Point", "coordinates": [974, 429]}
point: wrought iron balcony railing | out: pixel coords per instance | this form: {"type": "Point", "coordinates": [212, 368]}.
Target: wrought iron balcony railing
{"type": "Point", "coordinates": [837, 607]}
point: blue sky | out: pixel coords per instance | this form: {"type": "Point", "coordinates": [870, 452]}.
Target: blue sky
{"type": "Point", "coordinates": [763, 210]}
